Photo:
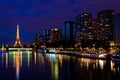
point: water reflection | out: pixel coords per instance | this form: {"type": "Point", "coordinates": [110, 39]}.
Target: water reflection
{"type": "Point", "coordinates": [6, 59]}
{"type": "Point", "coordinates": [35, 57]}
{"type": "Point", "coordinates": [29, 65]}
{"type": "Point", "coordinates": [54, 66]}
{"type": "Point", "coordinates": [15, 59]}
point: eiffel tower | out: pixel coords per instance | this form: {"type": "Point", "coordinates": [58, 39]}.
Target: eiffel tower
{"type": "Point", "coordinates": [17, 42]}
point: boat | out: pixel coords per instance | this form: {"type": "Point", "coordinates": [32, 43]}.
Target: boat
{"type": "Point", "coordinates": [94, 55]}
{"type": "Point", "coordinates": [116, 56]}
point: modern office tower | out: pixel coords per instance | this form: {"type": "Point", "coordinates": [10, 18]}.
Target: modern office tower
{"type": "Point", "coordinates": [84, 29]}
{"type": "Point", "coordinates": [96, 34]}
{"type": "Point", "coordinates": [84, 25]}
{"type": "Point", "coordinates": [56, 35]}
{"type": "Point", "coordinates": [53, 37]}
{"type": "Point", "coordinates": [69, 33]}
{"type": "Point", "coordinates": [96, 29]}
{"type": "Point", "coordinates": [38, 41]}
{"type": "Point", "coordinates": [117, 29]}
{"type": "Point", "coordinates": [46, 37]}
{"type": "Point", "coordinates": [106, 23]}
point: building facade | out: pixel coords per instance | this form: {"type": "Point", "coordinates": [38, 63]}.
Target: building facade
{"type": "Point", "coordinates": [96, 29]}
{"type": "Point", "coordinates": [117, 29]}
{"type": "Point", "coordinates": [106, 23]}
{"type": "Point", "coordinates": [38, 41]}
{"type": "Point", "coordinates": [106, 27]}
{"type": "Point", "coordinates": [69, 33]}
{"type": "Point", "coordinates": [85, 33]}
{"type": "Point", "coordinates": [53, 37]}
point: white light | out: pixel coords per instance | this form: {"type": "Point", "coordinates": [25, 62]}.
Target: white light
{"type": "Point", "coordinates": [56, 29]}
{"type": "Point", "coordinates": [101, 56]}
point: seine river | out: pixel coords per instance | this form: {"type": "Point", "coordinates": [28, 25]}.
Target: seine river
{"type": "Point", "coordinates": [29, 65]}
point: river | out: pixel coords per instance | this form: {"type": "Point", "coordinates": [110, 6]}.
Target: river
{"type": "Point", "coordinates": [29, 65]}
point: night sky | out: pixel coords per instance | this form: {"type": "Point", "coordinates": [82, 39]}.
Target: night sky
{"type": "Point", "coordinates": [34, 16]}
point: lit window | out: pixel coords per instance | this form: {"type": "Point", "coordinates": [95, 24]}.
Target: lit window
{"type": "Point", "coordinates": [85, 14]}
{"type": "Point", "coordinates": [107, 25]}
{"type": "Point", "coordinates": [107, 19]}
{"type": "Point", "coordinates": [81, 15]}
{"type": "Point", "coordinates": [56, 29]}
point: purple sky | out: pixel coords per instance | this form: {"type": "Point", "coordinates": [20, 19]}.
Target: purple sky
{"type": "Point", "coordinates": [34, 16]}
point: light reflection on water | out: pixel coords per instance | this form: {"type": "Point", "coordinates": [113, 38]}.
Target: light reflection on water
{"type": "Point", "coordinates": [29, 65]}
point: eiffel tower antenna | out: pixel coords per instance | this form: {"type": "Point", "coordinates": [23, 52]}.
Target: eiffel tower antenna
{"type": "Point", "coordinates": [17, 42]}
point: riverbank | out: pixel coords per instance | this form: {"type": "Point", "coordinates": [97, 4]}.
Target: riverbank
{"type": "Point", "coordinates": [85, 55]}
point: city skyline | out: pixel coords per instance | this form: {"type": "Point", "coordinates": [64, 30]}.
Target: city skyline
{"type": "Point", "coordinates": [35, 16]}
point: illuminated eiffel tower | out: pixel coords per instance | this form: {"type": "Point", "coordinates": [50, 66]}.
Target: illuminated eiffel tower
{"type": "Point", "coordinates": [17, 42]}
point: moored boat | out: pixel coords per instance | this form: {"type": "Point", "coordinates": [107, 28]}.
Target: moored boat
{"type": "Point", "coordinates": [116, 56]}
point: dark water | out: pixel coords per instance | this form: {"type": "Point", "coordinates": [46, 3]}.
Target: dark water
{"type": "Point", "coordinates": [28, 65]}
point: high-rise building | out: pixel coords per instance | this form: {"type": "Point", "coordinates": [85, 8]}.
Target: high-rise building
{"type": "Point", "coordinates": [53, 37]}
{"type": "Point", "coordinates": [84, 26]}
{"type": "Point", "coordinates": [106, 23]}
{"type": "Point", "coordinates": [85, 32]}
{"type": "Point", "coordinates": [106, 27]}
{"type": "Point", "coordinates": [38, 40]}
{"type": "Point", "coordinates": [46, 34]}
{"type": "Point", "coordinates": [46, 37]}
{"type": "Point", "coordinates": [69, 33]}
{"type": "Point", "coordinates": [56, 35]}
{"type": "Point", "coordinates": [96, 29]}
{"type": "Point", "coordinates": [117, 29]}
